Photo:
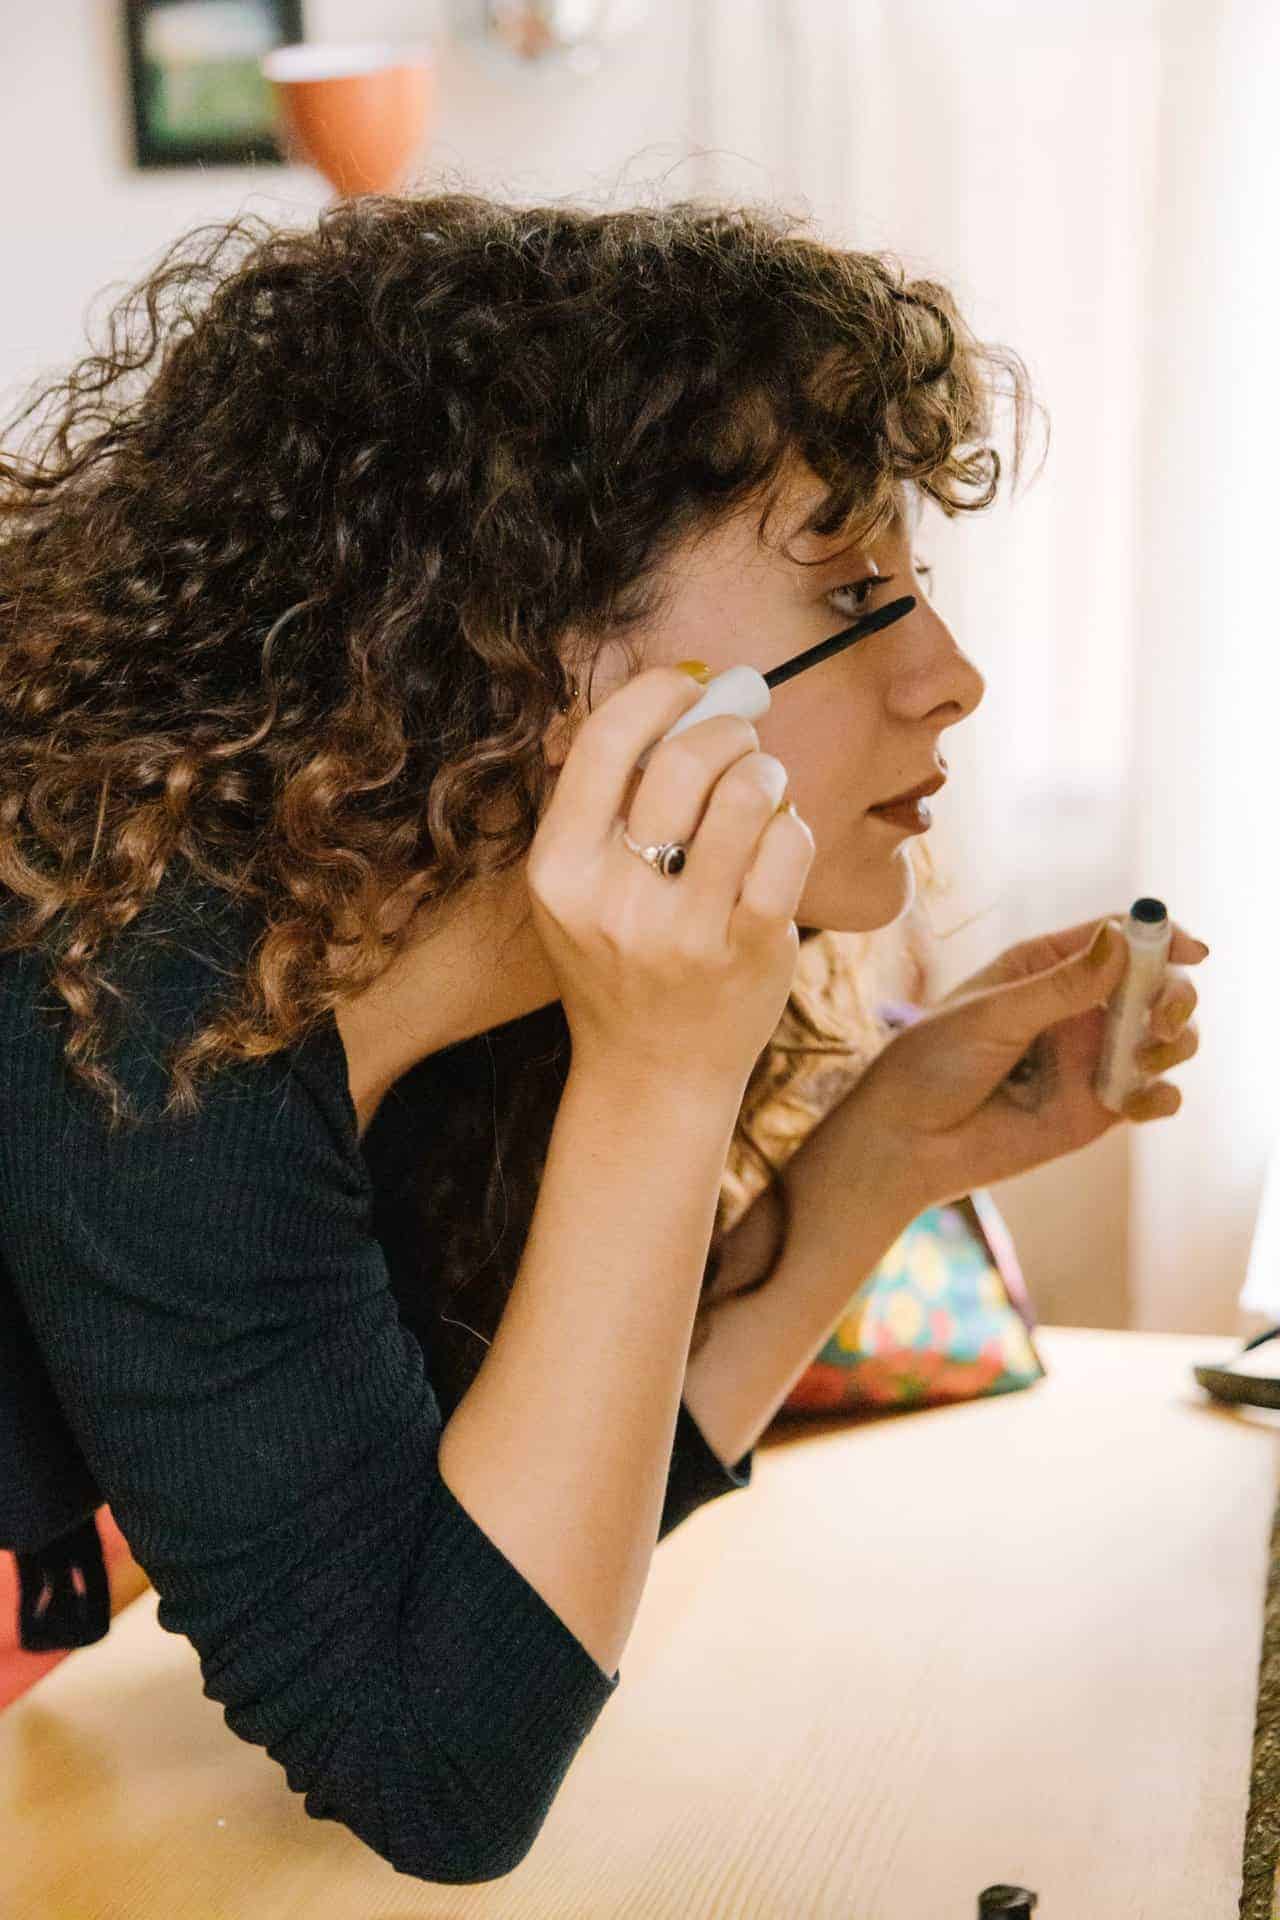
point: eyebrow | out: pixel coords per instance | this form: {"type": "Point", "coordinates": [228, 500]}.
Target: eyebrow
{"type": "Point", "coordinates": [906, 521]}
{"type": "Point", "coordinates": [841, 557]}
{"type": "Point", "coordinates": [836, 559]}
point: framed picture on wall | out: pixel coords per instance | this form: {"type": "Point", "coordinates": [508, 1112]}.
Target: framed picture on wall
{"type": "Point", "coordinates": [198, 93]}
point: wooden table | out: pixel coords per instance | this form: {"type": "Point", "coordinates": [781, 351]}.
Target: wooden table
{"type": "Point", "coordinates": [1011, 1640]}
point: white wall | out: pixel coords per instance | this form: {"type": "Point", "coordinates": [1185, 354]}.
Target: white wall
{"type": "Point", "coordinates": [691, 105]}
{"type": "Point", "coordinates": [75, 215]}
{"type": "Point", "coordinates": [854, 114]}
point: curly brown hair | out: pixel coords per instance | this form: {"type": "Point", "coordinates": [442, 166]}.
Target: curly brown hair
{"type": "Point", "coordinates": [286, 570]}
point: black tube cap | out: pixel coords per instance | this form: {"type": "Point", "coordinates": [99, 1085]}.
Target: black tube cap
{"type": "Point", "coordinates": [1014, 1903]}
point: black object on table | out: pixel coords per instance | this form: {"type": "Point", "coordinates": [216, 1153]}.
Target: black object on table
{"type": "Point", "coordinates": [1246, 1389]}
{"type": "Point", "coordinates": [1015, 1903]}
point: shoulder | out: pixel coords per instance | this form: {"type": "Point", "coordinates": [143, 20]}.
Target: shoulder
{"type": "Point", "coordinates": [175, 966]}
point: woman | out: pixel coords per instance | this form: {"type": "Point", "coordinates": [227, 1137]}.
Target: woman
{"type": "Point", "coordinates": [330, 647]}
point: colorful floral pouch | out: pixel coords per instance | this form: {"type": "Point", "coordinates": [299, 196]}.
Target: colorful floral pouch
{"type": "Point", "coordinates": [945, 1316]}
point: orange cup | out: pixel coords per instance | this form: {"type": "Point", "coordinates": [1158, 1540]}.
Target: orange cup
{"type": "Point", "coordinates": [359, 113]}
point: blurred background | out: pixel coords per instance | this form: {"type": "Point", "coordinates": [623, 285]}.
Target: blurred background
{"type": "Point", "coordinates": [1098, 181]}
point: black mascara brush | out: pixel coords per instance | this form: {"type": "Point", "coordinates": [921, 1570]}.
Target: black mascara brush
{"type": "Point", "coordinates": [744, 691]}
{"type": "Point", "coordinates": [870, 623]}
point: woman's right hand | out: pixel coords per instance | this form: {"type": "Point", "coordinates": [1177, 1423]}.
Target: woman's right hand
{"type": "Point", "coordinates": [681, 977]}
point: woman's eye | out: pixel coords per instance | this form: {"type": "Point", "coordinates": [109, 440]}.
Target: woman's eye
{"type": "Point", "coordinates": [862, 588]}
{"type": "Point", "coordinates": [859, 589]}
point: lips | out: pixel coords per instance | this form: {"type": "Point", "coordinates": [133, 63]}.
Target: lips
{"type": "Point", "coordinates": [921, 792]}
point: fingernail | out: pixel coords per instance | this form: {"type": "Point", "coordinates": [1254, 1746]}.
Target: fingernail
{"type": "Point", "coordinates": [696, 669]}
{"type": "Point", "coordinates": [1204, 951]}
{"type": "Point", "coordinates": [1177, 1020]}
{"type": "Point", "coordinates": [1100, 951]}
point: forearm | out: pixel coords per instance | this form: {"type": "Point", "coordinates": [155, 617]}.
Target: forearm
{"type": "Point", "coordinates": [847, 1209]}
{"type": "Point", "coordinates": [561, 1446]}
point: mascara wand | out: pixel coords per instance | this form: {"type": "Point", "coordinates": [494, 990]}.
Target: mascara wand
{"type": "Point", "coordinates": [870, 623]}
{"type": "Point", "coordinates": [748, 693]}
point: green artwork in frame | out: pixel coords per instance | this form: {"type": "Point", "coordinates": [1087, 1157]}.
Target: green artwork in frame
{"type": "Point", "coordinates": [195, 76]}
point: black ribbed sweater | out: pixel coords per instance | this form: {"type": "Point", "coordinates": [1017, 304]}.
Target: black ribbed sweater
{"type": "Point", "coordinates": [221, 1322]}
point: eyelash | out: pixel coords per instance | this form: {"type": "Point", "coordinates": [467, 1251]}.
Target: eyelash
{"type": "Point", "coordinates": [878, 580]}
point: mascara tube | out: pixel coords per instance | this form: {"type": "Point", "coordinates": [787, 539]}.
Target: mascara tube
{"type": "Point", "coordinates": [1149, 933]}
{"type": "Point", "coordinates": [739, 690]}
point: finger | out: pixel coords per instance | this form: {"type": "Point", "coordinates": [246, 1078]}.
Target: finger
{"type": "Point", "coordinates": [1158, 1056]}
{"type": "Point", "coordinates": [774, 881]}
{"type": "Point", "coordinates": [1051, 949]}
{"type": "Point", "coordinates": [741, 803]}
{"type": "Point", "coordinates": [1029, 955]}
{"type": "Point", "coordinates": [1174, 1006]}
{"type": "Point", "coordinates": [598, 769]}
{"type": "Point", "coordinates": [1176, 1000]}
{"type": "Point", "coordinates": [1153, 1103]}
{"type": "Point", "coordinates": [1013, 1014]}
{"type": "Point", "coordinates": [1184, 948]}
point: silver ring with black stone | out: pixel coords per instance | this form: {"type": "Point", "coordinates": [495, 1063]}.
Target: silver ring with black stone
{"type": "Point", "coordinates": [667, 859]}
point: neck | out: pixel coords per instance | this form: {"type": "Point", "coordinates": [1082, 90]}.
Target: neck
{"type": "Point", "coordinates": [483, 965]}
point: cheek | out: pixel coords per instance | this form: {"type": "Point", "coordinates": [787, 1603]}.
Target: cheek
{"type": "Point", "coordinates": [831, 772]}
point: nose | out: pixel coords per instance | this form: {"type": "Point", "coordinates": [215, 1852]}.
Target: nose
{"type": "Point", "coordinates": [975, 685]}
{"type": "Point", "coordinates": [959, 680]}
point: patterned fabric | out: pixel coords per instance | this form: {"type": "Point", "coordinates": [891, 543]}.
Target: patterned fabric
{"type": "Point", "coordinates": [936, 1321]}
{"type": "Point", "coordinates": [945, 1316]}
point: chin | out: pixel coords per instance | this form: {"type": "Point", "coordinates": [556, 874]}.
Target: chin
{"type": "Point", "coordinates": [860, 901]}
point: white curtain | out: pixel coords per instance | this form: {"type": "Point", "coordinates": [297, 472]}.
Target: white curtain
{"type": "Point", "coordinates": [1099, 181]}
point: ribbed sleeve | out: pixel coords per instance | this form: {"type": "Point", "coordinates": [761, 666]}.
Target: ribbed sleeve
{"type": "Point", "coordinates": [697, 1474]}
{"type": "Point", "coordinates": [216, 1320]}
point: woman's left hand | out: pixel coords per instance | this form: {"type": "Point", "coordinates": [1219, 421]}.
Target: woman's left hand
{"type": "Point", "coordinates": [997, 1078]}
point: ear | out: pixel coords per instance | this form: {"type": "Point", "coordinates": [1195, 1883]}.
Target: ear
{"type": "Point", "coordinates": [596, 677]}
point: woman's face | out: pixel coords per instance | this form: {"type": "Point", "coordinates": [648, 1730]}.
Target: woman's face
{"type": "Point", "coordinates": [855, 730]}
